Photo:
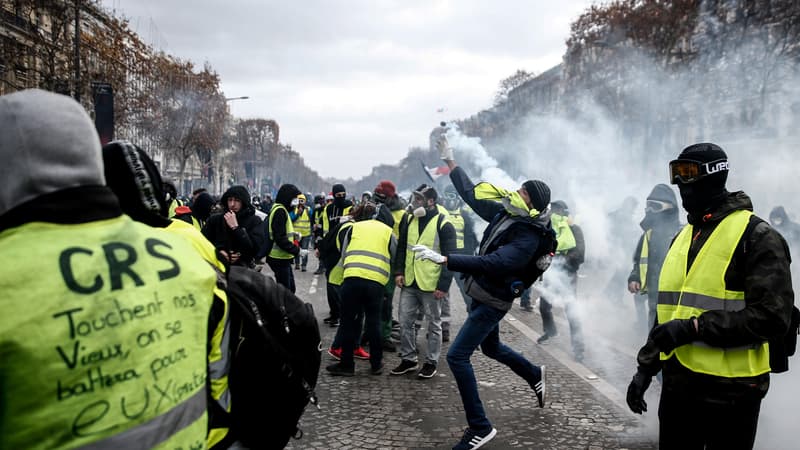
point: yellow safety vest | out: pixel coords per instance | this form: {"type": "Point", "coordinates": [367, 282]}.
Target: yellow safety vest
{"type": "Point", "coordinates": [218, 355]}
{"type": "Point", "coordinates": [336, 275]}
{"type": "Point", "coordinates": [643, 261]}
{"type": "Point", "coordinates": [564, 236]}
{"type": "Point", "coordinates": [302, 223]}
{"type": "Point", "coordinates": [277, 252]}
{"type": "Point", "coordinates": [682, 295]}
{"type": "Point", "coordinates": [425, 272]}
{"type": "Point", "coordinates": [326, 224]}
{"type": "Point", "coordinates": [458, 223]}
{"type": "Point", "coordinates": [398, 215]}
{"type": "Point", "coordinates": [366, 253]}
{"type": "Point", "coordinates": [114, 350]}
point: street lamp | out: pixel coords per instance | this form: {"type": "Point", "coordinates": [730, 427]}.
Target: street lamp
{"type": "Point", "coordinates": [237, 98]}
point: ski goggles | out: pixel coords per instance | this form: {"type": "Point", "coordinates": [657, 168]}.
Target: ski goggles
{"type": "Point", "coordinates": [686, 171]}
{"type": "Point", "coordinates": [657, 206]}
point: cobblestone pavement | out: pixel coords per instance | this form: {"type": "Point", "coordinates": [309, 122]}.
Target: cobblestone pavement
{"type": "Point", "coordinates": [585, 406]}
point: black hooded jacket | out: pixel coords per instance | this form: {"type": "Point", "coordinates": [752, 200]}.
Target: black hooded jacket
{"type": "Point", "coordinates": [277, 233]}
{"type": "Point", "coordinates": [247, 238]}
{"type": "Point", "coordinates": [760, 268]}
{"type": "Point", "coordinates": [663, 226]}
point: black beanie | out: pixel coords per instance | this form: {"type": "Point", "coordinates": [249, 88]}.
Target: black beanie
{"type": "Point", "coordinates": [709, 191]}
{"type": "Point", "coordinates": [663, 193]}
{"type": "Point", "coordinates": [539, 193]}
{"type": "Point", "coordinates": [201, 207]}
{"type": "Point", "coordinates": [338, 188]}
{"type": "Point", "coordinates": [559, 207]}
{"type": "Point", "coordinates": [134, 179]}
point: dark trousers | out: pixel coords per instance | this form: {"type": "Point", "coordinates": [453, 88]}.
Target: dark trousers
{"type": "Point", "coordinates": [360, 295]}
{"type": "Point", "coordinates": [334, 303]}
{"type": "Point", "coordinates": [711, 416]}
{"type": "Point", "coordinates": [283, 272]}
{"type": "Point", "coordinates": [570, 307]}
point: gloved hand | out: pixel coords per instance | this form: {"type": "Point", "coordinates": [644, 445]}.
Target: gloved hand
{"type": "Point", "coordinates": [445, 151]}
{"type": "Point", "coordinates": [636, 390]}
{"type": "Point", "coordinates": [424, 252]}
{"type": "Point", "coordinates": [343, 219]}
{"type": "Point", "coordinates": [668, 336]}
{"type": "Point", "coordinates": [303, 252]}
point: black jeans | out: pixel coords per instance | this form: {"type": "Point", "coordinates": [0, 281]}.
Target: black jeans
{"type": "Point", "coordinates": [283, 272]}
{"type": "Point", "coordinates": [704, 412]}
{"type": "Point", "coordinates": [334, 302]}
{"type": "Point", "coordinates": [360, 295]}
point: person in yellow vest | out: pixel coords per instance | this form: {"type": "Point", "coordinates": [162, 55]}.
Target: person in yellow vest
{"type": "Point", "coordinates": [423, 283]}
{"type": "Point", "coordinates": [367, 247]}
{"type": "Point", "coordinates": [660, 224]}
{"type": "Point", "coordinates": [391, 209]}
{"type": "Point", "coordinates": [114, 350]}
{"type": "Point", "coordinates": [301, 216]}
{"type": "Point", "coordinates": [724, 295]}
{"type": "Point", "coordinates": [134, 178]}
{"type": "Point", "coordinates": [281, 250]}
{"type": "Point", "coordinates": [562, 278]}
{"type": "Point", "coordinates": [339, 207]}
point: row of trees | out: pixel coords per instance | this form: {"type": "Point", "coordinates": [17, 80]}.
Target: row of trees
{"type": "Point", "coordinates": [163, 103]}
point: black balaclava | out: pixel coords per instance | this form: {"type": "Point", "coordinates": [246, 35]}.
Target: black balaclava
{"type": "Point", "coordinates": [134, 179]}
{"type": "Point", "coordinates": [662, 193]}
{"type": "Point", "coordinates": [287, 193]}
{"type": "Point", "coordinates": [539, 193]}
{"type": "Point", "coordinates": [339, 202]}
{"type": "Point", "coordinates": [778, 217]}
{"type": "Point", "coordinates": [708, 192]}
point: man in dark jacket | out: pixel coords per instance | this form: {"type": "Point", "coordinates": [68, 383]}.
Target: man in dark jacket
{"type": "Point", "coordinates": [789, 229]}
{"type": "Point", "coordinates": [660, 224]}
{"type": "Point", "coordinates": [281, 250]}
{"type": "Point", "coordinates": [328, 220]}
{"type": "Point", "coordinates": [236, 233]}
{"type": "Point", "coordinates": [724, 292]}
{"type": "Point", "coordinates": [562, 278]}
{"type": "Point", "coordinates": [515, 250]}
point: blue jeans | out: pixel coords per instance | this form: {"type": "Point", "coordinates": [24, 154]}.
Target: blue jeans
{"type": "Point", "coordinates": [481, 329]}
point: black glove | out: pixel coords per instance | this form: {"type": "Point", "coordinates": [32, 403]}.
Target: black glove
{"type": "Point", "coordinates": [636, 390]}
{"type": "Point", "coordinates": [673, 334]}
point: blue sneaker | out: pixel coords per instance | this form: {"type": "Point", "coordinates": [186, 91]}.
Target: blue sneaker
{"type": "Point", "coordinates": [473, 440]}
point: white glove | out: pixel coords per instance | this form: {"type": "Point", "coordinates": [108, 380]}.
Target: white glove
{"type": "Point", "coordinates": [343, 219]}
{"type": "Point", "coordinates": [424, 252]}
{"type": "Point", "coordinates": [303, 252]}
{"type": "Point", "coordinates": [445, 151]}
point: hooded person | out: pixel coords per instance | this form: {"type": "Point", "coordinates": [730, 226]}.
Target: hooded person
{"type": "Point", "coordinates": [659, 226]}
{"type": "Point", "coordinates": [725, 306]}
{"type": "Point", "coordinates": [237, 233]}
{"type": "Point", "coordinates": [785, 226]}
{"type": "Point", "coordinates": [67, 248]}
{"type": "Point", "coordinates": [280, 248]}
{"type": "Point", "coordinates": [135, 180]}
{"type": "Point", "coordinates": [331, 215]}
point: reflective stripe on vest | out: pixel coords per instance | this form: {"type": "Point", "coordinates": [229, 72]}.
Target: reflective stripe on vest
{"type": "Point", "coordinates": [643, 261]}
{"type": "Point", "coordinates": [120, 329]}
{"type": "Point", "coordinates": [277, 252]}
{"type": "Point", "coordinates": [366, 254]}
{"type": "Point", "coordinates": [458, 223]}
{"type": "Point", "coordinates": [336, 275]}
{"type": "Point", "coordinates": [683, 295]}
{"type": "Point", "coordinates": [302, 224]}
{"type": "Point", "coordinates": [424, 272]}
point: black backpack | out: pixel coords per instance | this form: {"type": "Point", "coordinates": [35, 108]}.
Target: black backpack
{"type": "Point", "coordinates": [275, 359]}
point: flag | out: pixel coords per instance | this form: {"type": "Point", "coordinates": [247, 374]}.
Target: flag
{"type": "Point", "coordinates": [435, 172]}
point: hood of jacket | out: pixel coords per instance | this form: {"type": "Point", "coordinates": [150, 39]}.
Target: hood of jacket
{"type": "Point", "coordinates": [287, 193]}
{"type": "Point", "coordinates": [242, 194]}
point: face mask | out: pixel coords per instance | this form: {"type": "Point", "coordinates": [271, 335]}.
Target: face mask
{"type": "Point", "coordinates": [777, 222]}
{"type": "Point", "coordinates": [419, 212]}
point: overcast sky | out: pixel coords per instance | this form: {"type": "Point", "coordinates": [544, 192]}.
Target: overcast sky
{"type": "Point", "coordinates": [354, 84]}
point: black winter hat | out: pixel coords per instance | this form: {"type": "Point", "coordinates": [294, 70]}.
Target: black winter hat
{"type": "Point", "coordinates": [337, 188]}
{"type": "Point", "coordinates": [706, 152]}
{"type": "Point", "coordinates": [560, 207]}
{"type": "Point", "coordinates": [134, 179]}
{"type": "Point", "coordinates": [539, 193]}
{"type": "Point", "coordinates": [201, 207]}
